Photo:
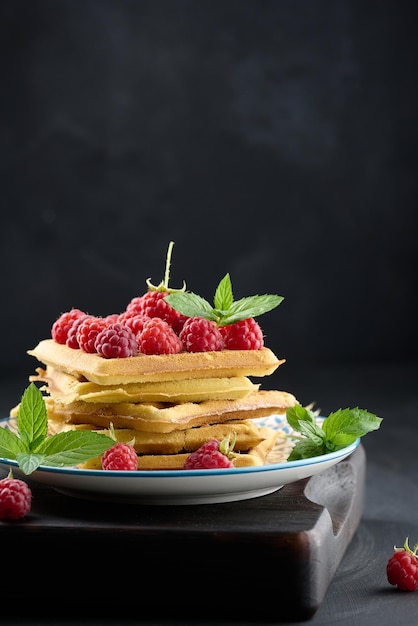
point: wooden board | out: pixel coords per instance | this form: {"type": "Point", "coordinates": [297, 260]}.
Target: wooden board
{"type": "Point", "coordinates": [266, 559]}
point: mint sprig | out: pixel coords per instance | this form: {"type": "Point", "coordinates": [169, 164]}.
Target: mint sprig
{"type": "Point", "coordinates": [224, 310]}
{"type": "Point", "coordinates": [32, 447]}
{"type": "Point", "coordinates": [338, 430]}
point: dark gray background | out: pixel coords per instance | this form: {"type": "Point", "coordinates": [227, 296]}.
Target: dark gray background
{"type": "Point", "coordinates": [275, 140]}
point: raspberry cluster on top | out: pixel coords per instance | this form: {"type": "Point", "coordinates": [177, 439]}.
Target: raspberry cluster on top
{"type": "Point", "coordinates": [150, 325]}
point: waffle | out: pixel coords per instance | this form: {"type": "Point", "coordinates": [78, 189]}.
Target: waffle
{"type": "Point", "coordinates": [67, 389]}
{"type": "Point", "coordinates": [255, 456]}
{"type": "Point", "coordinates": [165, 405]}
{"type": "Point", "coordinates": [152, 368]}
{"type": "Point", "coordinates": [164, 418]}
{"type": "Point", "coordinates": [179, 441]}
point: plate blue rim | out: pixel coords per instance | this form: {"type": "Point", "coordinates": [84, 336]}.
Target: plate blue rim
{"type": "Point", "coordinates": [188, 473]}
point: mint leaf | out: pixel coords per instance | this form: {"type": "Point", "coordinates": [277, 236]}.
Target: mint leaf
{"type": "Point", "coordinates": [225, 310]}
{"type": "Point", "coordinates": [223, 295]}
{"type": "Point", "coordinates": [338, 430]}
{"type": "Point", "coordinates": [29, 462]}
{"type": "Point", "coordinates": [344, 426]}
{"type": "Point", "coordinates": [32, 446]}
{"type": "Point", "coordinates": [190, 304]}
{"type": "Point", "coordinates": [74, 446]}
{"type": "Point", "coordinates": [32, 420]}
{"type": "Point", "coordinates": [305, 449]}
{"type": "Point", "coordinates": [10, 444]}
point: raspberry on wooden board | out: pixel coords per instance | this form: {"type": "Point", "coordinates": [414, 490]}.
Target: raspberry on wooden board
{"type": "Point", "coordinates": [402, 568]}
{"type": "Point", "coordinates": [15, 498]}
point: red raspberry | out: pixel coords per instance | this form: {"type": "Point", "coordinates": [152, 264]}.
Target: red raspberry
{"type": "Point", "coordinates": [112, 318]}
{"type": "Point", "coordinates": [121, 456]}
{"type": "Point", "coordinates": [72, 333]}
{"type": "Point", "coordinates": [243, 335]}
{"type": "Point", "coordinates": [135, 306]}
{"type": "Point", "coordinates": [201, 335]}
{"type": "Point", "coordinates": [158, 337]}
{"type": "Point", "coordinates": [15, 498]}
{"type": "Point", "coordinates": [210, 455]}
{"type": "Point", "coordinates": [402, 568]}
{"type": "Point", "coordinates": [116, 342]}
{"type": "Point", "coordinates": [153, 304]}
{"type": "Point", "coordinates": [88, 331]}
{"type": "Point", "coordinates": [134, 321]}
{"type": "Point", "coordinates": [62, 325]}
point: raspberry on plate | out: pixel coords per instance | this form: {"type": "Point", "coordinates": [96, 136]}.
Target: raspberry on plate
{"type": "Point", "coordinates": [201, 335]}
{"type": "Point", "coordinates": [402, 568]}
{"type": "Point", "coordinates": [15, 498]}
{"type": "Point", "coordinates": [211, 455]}
{"type": "Point", "coordinates": [116, 341]}
{"type": "Point", "coordinates": [121, 456]}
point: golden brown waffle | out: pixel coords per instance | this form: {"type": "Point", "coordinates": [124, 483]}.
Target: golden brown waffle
{"type": "Point", "coordinates": [66, 388]}
{"type": "Point", "coordinates": [149, 368]}
{"type": "Point", "coordinates": [253, 457]}
{"type": "Point", "coordinates": [159, 417]}
{"type": "Point", "coordinates": [245, 432]}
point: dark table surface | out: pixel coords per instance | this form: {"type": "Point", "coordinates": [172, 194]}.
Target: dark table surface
{"type": "Point", "coordinates": [358, 593]}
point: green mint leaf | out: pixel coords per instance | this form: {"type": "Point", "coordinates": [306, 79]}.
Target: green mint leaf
{"type": "Point", "coordinates": [345, 426]}
{"type": "Point", "coordinates": [305, 449]}
{"type": "Point", "coordinates": [68, 448]}
{"type": "Point", "coordinates": [225, 311]}
{"type": "Point", "coordinates": [29, 462]}
{"type": "Point", "coordinates": [223, 295]}
{"type": "Point", "coordinates": [338, 430]}
{"type": "Point", "coordinates": [10, 444]}
{"type": "Point", "coordinates": [32, 446]}
{"type": "Point", "coordinates": [303, 421]}
{"type": "Point", "coordinates": [32, 420]}
{"type": "Point", "coordinates": [297, 414]}
{"type": "Point", "coordinates": [190, 304]}
{"type": "Point", "coordinates": [73, 447]}
{"type": "Point", "coordinates": [255, 305]}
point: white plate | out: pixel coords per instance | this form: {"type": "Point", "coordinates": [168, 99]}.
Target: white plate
{"type": "Point", "coordinates": [183, 486]}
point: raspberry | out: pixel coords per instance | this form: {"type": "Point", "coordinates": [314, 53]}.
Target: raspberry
{"type": "Point", "coordinates": [116, 341]}
{"type": "Point", "coordinates": [135, 321]}
{"type": "Point", "coordinates": [135, 306]}
{"type": "Point", "coordinates": [243, 335]}
{"type": "Point", "coordinates": [62, 325]}
{"type": "Point", "coordinates": [88, 331]}
{"type": "Point", "coordinates": [112, 318]}
{"type": "Point", "coordinates": [72, 333]}
{"type": "Point", "coordinates": [15, 498]}
{"type": "Point", "coordinates": [211, 455]}
{"type": "Point", "coordinates": [402, 568]}
{"type": "Point", "coordinates": [201, 335]}
{"type": "Point", "coordinates": [158, 337]}
{"type": "Point", "coordinates": [121, 456]}
{"type": "Point", "coordinates": [153, 304]}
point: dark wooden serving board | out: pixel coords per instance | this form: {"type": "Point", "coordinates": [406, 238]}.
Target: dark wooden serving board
{"type": "Point", "coordinates": [269, 558]}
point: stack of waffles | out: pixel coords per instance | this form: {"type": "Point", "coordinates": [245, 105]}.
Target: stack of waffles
{"type": "Point", "coordinates": [167, 405]}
